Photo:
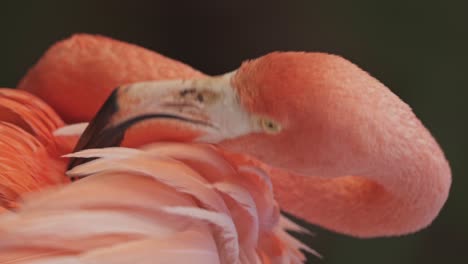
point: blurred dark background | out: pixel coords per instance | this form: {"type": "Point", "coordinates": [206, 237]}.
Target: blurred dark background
{"type": "Point", "coordinates": [417, 48]}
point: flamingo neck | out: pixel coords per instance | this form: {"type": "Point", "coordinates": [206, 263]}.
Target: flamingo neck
{"type": "Point", "coordinates": [398, 189]}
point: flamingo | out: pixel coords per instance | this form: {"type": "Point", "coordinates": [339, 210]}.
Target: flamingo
{"type": "Point", "coordinates": [340, 149]}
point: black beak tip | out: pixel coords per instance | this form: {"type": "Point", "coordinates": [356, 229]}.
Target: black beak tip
{"type": "Point", "coordinates": [97, 134]}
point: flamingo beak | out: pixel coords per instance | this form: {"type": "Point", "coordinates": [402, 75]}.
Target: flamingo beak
{"type": "Point", "coordinates": [206, 109]}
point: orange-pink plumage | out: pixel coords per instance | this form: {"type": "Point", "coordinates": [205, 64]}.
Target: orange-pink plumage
{"type": "Point", "coordinates": [169, 203]}
{"type": "Point", "coordinates": [29, 153]}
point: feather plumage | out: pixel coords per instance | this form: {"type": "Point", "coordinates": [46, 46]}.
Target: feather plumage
{"type": "Point", "coordinates": [136, 200]}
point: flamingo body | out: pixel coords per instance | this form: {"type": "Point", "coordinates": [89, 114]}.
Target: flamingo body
{"type": "Point", "coordinates": [169, 203]}
{"type": "Point", "coordinates": [80, 72]}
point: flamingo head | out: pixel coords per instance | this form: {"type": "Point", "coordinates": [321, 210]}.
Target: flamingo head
{"type": "Point", "coordinates": [293, 110]}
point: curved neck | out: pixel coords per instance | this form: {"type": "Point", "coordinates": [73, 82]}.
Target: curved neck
{"type": "Point", "coordinates": [399, 192]}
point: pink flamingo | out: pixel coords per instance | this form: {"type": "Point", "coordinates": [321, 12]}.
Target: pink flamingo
{"type": "Point", "coordinates": [354, 158]}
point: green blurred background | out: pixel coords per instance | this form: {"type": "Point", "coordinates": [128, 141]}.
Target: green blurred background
{"type": "Point", "coordinates": [417, 48]}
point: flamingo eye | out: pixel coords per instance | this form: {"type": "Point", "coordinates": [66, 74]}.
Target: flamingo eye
{"type": "Point", "coordinates": [270, 126]}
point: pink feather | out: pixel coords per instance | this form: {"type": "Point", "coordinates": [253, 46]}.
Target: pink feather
{"type": "Point", "coordinates": [152, 204]}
